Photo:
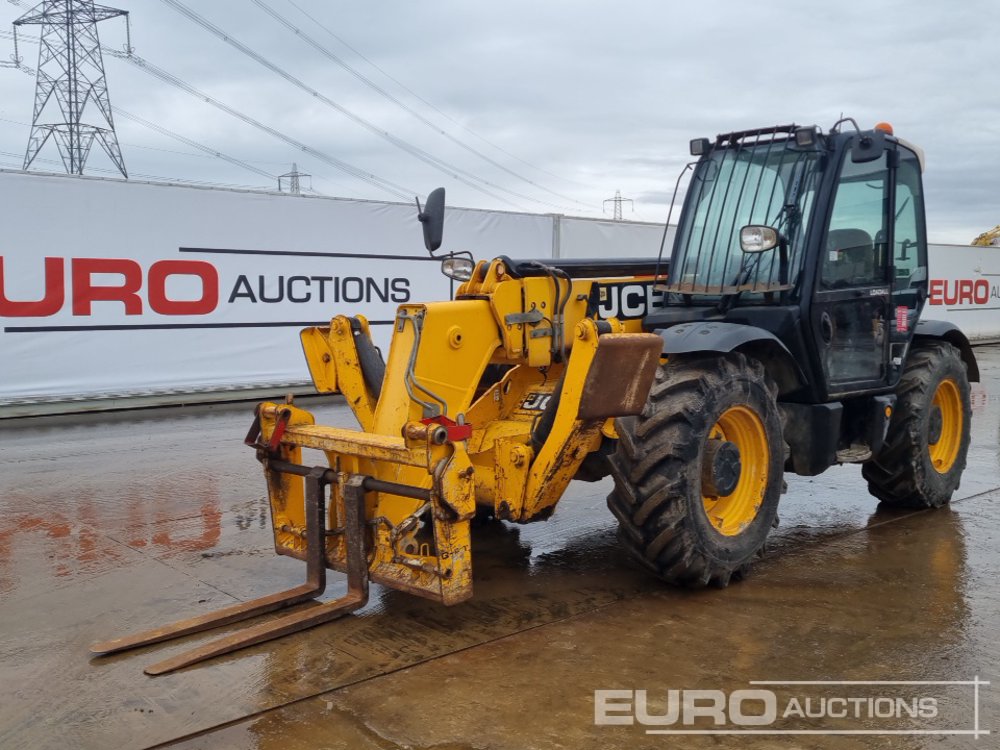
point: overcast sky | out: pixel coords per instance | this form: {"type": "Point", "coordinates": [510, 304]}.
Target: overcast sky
{"type": "Point", "coordinates": [571, 101]}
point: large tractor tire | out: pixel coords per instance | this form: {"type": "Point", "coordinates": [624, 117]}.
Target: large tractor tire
{"type": "Point", "coordinates": [921, 463]}
{"type": "Point", "coordinates": [698, 474]}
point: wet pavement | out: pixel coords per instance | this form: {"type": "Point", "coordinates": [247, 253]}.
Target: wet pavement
{"type": "Point", "coordinates": [114, 523]}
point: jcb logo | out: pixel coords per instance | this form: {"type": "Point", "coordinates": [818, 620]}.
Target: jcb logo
{"type": "Point", "coordinates": [536, 401]}
{"type": "Point", "coordinates": [627, 301]}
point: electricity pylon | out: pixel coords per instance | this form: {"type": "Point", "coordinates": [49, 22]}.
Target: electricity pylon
{"type": "Point", "coordinates": [617, 201]}
{"type": "Point", "coordinates": [71, 72]}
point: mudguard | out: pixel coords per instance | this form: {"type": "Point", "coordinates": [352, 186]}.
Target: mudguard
{"type": "Point", "coordinates": [941, 329]}
{"type": "Point", "coordinates": [689, 338]}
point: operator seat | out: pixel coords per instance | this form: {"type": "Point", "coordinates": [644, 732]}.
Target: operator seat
{"type": "Point", "coordinates": [850, 258]}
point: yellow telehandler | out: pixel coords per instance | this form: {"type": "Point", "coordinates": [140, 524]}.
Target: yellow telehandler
{"type": "Point", "coordinates": [783, 334]}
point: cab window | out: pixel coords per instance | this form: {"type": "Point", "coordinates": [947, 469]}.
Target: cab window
{"type": "Point", "coordinates": [909, 255]}
{"type": "Point", "coordinates": [855, 252]}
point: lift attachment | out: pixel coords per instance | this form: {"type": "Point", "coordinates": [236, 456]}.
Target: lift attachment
{"type": "Point", "coordinates": [351, 488]}
{"type": "Point", "coordinates": [442, 435]}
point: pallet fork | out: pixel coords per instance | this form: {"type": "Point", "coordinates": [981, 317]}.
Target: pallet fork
{"type": "Point", "coordinates": [351, 488]}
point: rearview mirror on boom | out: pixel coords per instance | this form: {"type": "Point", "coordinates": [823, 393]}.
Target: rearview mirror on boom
{"type": "Point", "coordinates": [432, 217]}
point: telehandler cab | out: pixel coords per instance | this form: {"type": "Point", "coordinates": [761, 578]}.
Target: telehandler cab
{"type": "Point", "coordinates": [784, 335]}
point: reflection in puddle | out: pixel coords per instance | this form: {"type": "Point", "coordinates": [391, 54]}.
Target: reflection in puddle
{"type": "Point", "coordinates": [95, 538]}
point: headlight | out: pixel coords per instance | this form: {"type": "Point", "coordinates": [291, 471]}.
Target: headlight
{"type": "Point", "coordinates": [459, 269]}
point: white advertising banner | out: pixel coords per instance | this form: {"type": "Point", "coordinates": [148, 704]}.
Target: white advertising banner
{"type": "Point", "coordinates": [965, 289]}
{"type": "Point", "coordinates": [597, 238]}
{"type": "Point", "coordinates": [113, 288]}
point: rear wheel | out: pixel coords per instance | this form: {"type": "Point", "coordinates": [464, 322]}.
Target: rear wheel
{"type": "Point", "coordinates": [698, 474]}
{"type": "Point", "coordinates": [921, 463]}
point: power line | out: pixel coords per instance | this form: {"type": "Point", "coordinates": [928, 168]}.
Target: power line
{"type": "Point", "coordinates": [147, 67]}
{"type": "Point", "coordinates": [150, 177]}
{"type": "Point", "coordinates": [151, 69]}
{"type": "Point", "coordinates": [326, 52]}
{"type": "Point", "coordinates": [452, 171]}
{"type": "Point", "coordinates": [399, 191]}
{"type": "Point", "coordinates": [194, 144]}
{"type": "Point", "coordinates": [415, 151]}
{"type": "Point", "coordinates": [209, 152]}
{"type": "Point", "coordinates": [419, 98]}
{"type": "Point", "coordinates": [164, 131]}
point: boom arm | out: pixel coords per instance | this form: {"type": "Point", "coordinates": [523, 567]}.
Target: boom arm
{"type": "Point", "coordinates": [512, 445]}
{"type": "Point", "coordinates": [989, 238]}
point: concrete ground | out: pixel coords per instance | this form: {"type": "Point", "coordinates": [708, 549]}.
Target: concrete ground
{"type": "Point", "coordinates": [114, 523]}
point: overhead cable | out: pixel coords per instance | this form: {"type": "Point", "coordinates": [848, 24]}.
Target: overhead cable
{"type": "Point", "coordinates": [326, 52]}
{"type": "Point", "coordinates": [194, 144]}
{"type": "Point", "coordinates": [398, 191]}
{"type": "Point", "coordinates": [452, 171]}
{"type": "Point", "coordinates": [418, 97]}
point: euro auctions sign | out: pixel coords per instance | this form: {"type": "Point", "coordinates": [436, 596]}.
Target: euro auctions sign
{"type": "Point", "coordinates": [964, 292]}
{"type": "Point", "coordinates": [185, 288]}
{"type": "Point", "coordinates": [133, 288]}
{"type": "Point", "coordinates": [207, 318]}
{"type": "Point", "coordinates": [86, 287]}
{"type": "Point", "coordinates": [964, 288]}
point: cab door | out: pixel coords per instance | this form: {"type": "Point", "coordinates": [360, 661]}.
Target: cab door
{"type": "Point", "coordinates": [852, 301]}
{"type": "Point", "coordinates": [908, 276]}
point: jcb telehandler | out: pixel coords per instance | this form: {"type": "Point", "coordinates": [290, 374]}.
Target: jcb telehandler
{"type": "Point", "coordinates": [784, 335]}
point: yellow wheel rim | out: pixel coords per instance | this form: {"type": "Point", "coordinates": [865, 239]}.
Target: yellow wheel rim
{"type": "Point", "coordinates": [948, 400]}
{"type": "Point", "coordinates": [731, 514]}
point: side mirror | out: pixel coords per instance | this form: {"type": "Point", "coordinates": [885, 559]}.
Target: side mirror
{"type": "Point", "coordinates": [867, 146]}
{"type": "Point", "coordinates": [756, 238]}
{"type": "Point", "coordinates": [432, 217]}
{"type": "Point", "coordinates": [459, 269]}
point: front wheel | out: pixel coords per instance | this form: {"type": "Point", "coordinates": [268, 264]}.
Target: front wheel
{"type": "Point", "coordinates": [698, 474]}
{"type": "Point", "coordinates": [921, 462]}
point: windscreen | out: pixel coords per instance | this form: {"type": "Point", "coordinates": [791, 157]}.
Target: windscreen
{"type": "Point", "coordinates": [771, 184]}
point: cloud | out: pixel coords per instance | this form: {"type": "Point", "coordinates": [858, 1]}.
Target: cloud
{"type": "Point", "coordinates": [578, 99]}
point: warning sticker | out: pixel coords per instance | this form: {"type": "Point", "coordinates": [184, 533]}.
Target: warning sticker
{"type": "Point", "coordinates": [902, 318]}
